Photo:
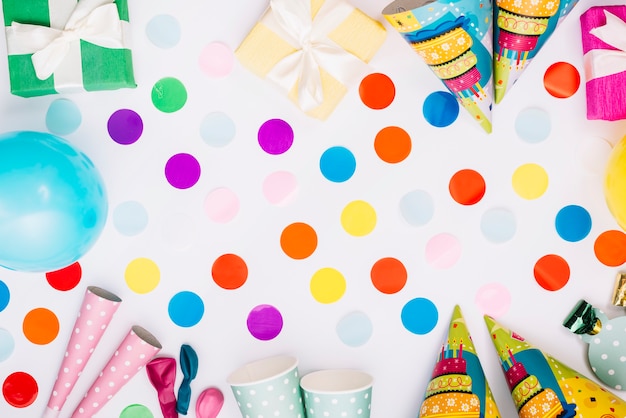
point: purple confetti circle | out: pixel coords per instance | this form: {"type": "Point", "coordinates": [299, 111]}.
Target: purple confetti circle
{"type": "Point", "coordinates": [275, 136]}
{"type": "Point", "coordinates": [125, 126]}
{"type": "Point", "coordinates": [265, 322]}
{"type": "Point", "coordinates": [182, 171]}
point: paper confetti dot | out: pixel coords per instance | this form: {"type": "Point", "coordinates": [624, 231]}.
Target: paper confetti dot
{"type": "Point", "coordinates": [354, 329]}
{"type": "Point", "coordinates": [298, 240]}
{"type": "Point", "coordinates": [440, 109]}
{"type": "Point", "coordinates": [551, 272]}
{"type": "Point", "coordinates": [163, 31]}
{"type": "Point", "coordinates": [182, 171]}
{"type": "Point", "coordinates": [493, 299]}
{"type": "Point", "coordinates": [573, 223]}
{"type": "Point", "coordinates": [130, 218]}
{"type": "Point", "coordinates": [7, 344]}
{"type": "Point", "coordinates": [533, 125]}
{"type": "Point", "coordinates": [63, 117]}
{"type": "Point", "coordinates": [530, 181]}
{"type": "Point", "coordinates": [358, 218]}
{"type": "Point", "coordinates": [216, 60]}
{"type": "Point", "coordinates": [417, 207]}
{"type": "Point", "coordinates": [169, 95]}
{"type": "Point", "coordinates": [217, 129]}
{"type": "Point", "coordinates": [136, 411]}
{"type": "Point", "coordinates": [280, 188]}
{"type": "Point", "coordinates": [275, 136]}
{"type": "Point", "coordinates": [40, 326]}
{"type": "Point", "coordinates": [388, 275]}
{"type": "Point", "coordinates": [392, 144]}
{"type": "Point", "coordinates": [125, 126]}
{"type": "Point", "coordinates": [20, 389]}
{"type": "Point", "coordinates": [467, 187]}
{"type": "Point", "coordinates": [419, 316]}
{"type": "Point", "coordinates": [265, 322]}
{"type": "Point", "coordinates": [443, 251]}
{"type": "Point", "coordinates": [610, 248]}
{"type": "Point", "coordinates": [5, 296]}
{"type": "Point", "coordinates": [327, 285]}
{"type": "Point", "coordinates": [142, 275]}
{"type": "Point", "coordinates": [221, 205]}
{"type": "Point", "coordinates": [185, 309]}
{"type": "Point", "coordinates": [561, 80]}
{"type": "Point", "coordinates": [498, 225]}
{"type": "Point", "coordinates": [229, 271]}
{"type": "Point", "coordinates": [337, 164]}
{"type": "Point", "coordinates": [377, 91]}
{"type": "Point", "coordinates": [66, 278]}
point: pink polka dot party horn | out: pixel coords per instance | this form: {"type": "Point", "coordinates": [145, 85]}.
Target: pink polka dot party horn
{"type": "Point", "coordinates": [95, 313]}
{"type": "Point", "coordinates": [134, 352]}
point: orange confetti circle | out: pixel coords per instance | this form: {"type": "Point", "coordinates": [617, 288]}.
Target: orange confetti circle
{"type": "Point", "coordinates": [551, 272]}
{"type": "Point", "coordinates": [388, 275]}
{"type": "Point", "coordinates": [392, 144]}
{"type": "Point", "coordinates": [229, 271]}
{"type": "Point", "coordinates": [377, 91]}
{"type": "Point", "coordinates": [298, 240]}
{"type": "Point", "coordinates": [40, 326]}
{"type": "Point", "coordinates": [467, 187]}
{"type": "Point", "coordinates": [610, 248]}
{"type": "Point", "coordinates": [561, 80]}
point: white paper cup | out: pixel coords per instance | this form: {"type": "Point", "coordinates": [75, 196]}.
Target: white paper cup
{"type": "Point", "coordinates": [268, 388]}
{"type": "Point", "coordinates": [337, 393]}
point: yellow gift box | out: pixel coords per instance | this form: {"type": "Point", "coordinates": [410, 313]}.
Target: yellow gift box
{"type": "Point", "coordinates": [313, 50]}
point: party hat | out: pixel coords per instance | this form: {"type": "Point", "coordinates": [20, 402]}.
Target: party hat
{"type": "Point", "coordinates": [522, 28]}
{"type": "Point", "coordinates": [134, 352]}
{"type": "Point", "coordinates": [93, 318]}
{"type": "Point", "coordinates": [458, 386]}
{"type": "Point", "coordinates": [455, 40]}
{"type": "Point", "coordinates": [543, 387]}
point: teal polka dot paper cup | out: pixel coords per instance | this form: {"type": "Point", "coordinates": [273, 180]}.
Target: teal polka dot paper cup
{"type": "Point", "coordinates": [268, 388]}
{"type": "Point", "coordinates": [338, 393]}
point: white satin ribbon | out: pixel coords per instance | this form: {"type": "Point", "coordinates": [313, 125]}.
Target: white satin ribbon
{"type": "Point", "coordinates": [604, 62]}
{"type": "Point", "coordinates": [95, 21]}
{"type": "Point", "coordinates": [291, 19]}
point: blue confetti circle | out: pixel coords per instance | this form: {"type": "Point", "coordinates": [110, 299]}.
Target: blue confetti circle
{"type": "Point", "coordinates": [217, 129]}
{"type": "Point", "coordinates": [440, 109]}
{"type": "Point", "coordinates": [163, 31]}
{"type": "Point", "coordinates": [417, 207]}
{"type": "Point", "coordinates": [130, 218]}
{"type": "Point", "coordinates": [533, 125]}
{"type": "Point", "coordinates": [63, 117]}
{"type": "Point", "coordinates": [498, 225]}
{"type": "Point", "coordinates": [419, 316]}
{"type": "Point", "coordinates": [573, 223]}
{"type": "Point", "coordinates": [354, 329]}
{"type": "Point", "coordinates": [7, 344]}
{"type": "Point", "coordinates": [186, 309]}
{"type": "Point", "coordinates": [337, 164]}
{"type": "Point", "coordinates": [5, 296]}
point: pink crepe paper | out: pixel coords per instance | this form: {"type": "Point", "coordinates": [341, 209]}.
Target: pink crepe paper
{"type": "Point", "coordinates": [94, 316]}
{"type": "Point", "coordinates": [135, 351]}
{"type": "Point", "coordinates": [606, 96]}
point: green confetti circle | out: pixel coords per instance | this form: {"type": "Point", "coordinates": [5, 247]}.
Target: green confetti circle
{"type": "Point", "coordinates": [169, 95]}
{"type": "Point", "coordinates": [136, 411]}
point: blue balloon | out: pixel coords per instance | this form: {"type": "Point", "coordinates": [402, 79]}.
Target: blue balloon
{"type": "Point", "coordinates": [53, 203]}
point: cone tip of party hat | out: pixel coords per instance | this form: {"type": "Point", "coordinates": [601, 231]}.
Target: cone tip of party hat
{"type": "Point", "coordinates": [489, 321]}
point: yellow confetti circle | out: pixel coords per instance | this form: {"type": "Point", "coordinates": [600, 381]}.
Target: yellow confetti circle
{"type": "Point", "coordinates": [358, 218]}
{"type": "Point", "coordinates": [530, 181]}
{"type": "Point", "coordinates": [328, 285]}
{"type": "Point", "coordinates": [142, 275]}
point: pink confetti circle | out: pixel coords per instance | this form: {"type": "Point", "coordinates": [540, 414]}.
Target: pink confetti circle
{"type": "Point", "coordinates": [280, 188]}
{"type": "Point", "coordinates": [221, 205]}
{"type": "Point", "coordinates": [182, 171]}
{"type": "Point", "coordinates": [216, 60]}
{"type": "Point", "coordinates": [443, 251]}
{"type": "Point", "coordinates": [493, 299]}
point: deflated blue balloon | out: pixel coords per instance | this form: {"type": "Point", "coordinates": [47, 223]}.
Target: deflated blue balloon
{"type": "Point", "coordinates": [53, 203]}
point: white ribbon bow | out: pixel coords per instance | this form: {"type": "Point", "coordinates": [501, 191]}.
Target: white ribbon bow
{"type": "Point", "coordinates": [291, 19]}
{"type": "Point", "coordinates": [95, 21]}
{"type": "Point", "coordinates": [604, 62]}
